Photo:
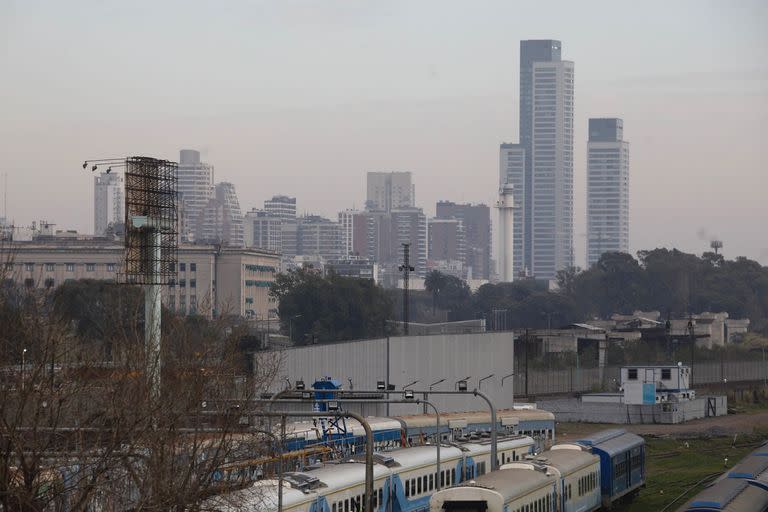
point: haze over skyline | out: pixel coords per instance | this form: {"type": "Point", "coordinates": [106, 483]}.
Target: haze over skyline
{"type": "Point", "coordinates": [303, 99]}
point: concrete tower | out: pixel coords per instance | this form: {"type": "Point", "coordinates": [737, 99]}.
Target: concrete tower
{"type": "Point", "coordinates": [506, 206]}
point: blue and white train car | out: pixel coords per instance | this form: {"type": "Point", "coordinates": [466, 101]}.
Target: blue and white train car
{"type": "Point", "coordinates": [578, 472]}
{"type": "Point", "coordinates": [505, 490]}
{"type": "Point", "coordinates": [743, 488]}
{"type": "Point", "coordinates": [622, 462]}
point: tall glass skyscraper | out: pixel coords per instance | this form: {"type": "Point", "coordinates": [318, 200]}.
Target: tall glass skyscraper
{"type": "Point", "coordinates": [546, 135]}
{"type": "Point", "coordinates": [607, 189]}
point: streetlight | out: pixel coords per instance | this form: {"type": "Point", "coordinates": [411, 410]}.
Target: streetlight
{"type": "Point", "coordinates": [426, 395]}
{"type": "Point", "coordinates": [290, 326]}
{"type": "Point", "coordinates": [411, 384]}
{"type": "Point", "coordinates": [480, 382]}
{"type": "Point", "coordinates": [513, 386]}
{"type": "Point", "coordinates": [23, 361]}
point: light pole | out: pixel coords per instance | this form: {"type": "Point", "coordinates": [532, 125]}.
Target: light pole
{"type": "Point", "coordinates": [290, 327]}
{"type": "Point", "coordinates": [411, 384]}
{"type": "Point", "coordinates": [426, 395]}
{"type": "Point", "coordinates": [513, 386]}
{"type": "Point", "coordinates": [480, 382]}
{"type": "Point", "coordinates": [23, 361]}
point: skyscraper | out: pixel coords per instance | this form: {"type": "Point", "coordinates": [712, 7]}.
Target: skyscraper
{"type": "Point", "coordinates": [107, 202]}
{"type": "Point", "coordinates": [476, 220]}
{"type": "Point", "coordinates": [607, 189]}
{"type": "Point", "coordinates": [546, 133]}
{"type": "Point", "coordinates": [221, 220]}
{"type": "Point", "coordinates": [195, 186]}
{"type": "Point", "coordinates": [389, 190]}
{"type": "Point", "coordinates": [512, 172]}
{"type": "Point", "coordinates": [354, 232]}
{"type": "Point", "coordinates": [282, 207]}
{"type": "Point", "coordinates": [263, 231]}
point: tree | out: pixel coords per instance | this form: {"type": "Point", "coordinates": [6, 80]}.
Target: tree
{"type": "Point", "coordinates": [314, 308]}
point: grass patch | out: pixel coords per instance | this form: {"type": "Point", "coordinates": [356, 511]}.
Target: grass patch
{"type": "Point", "coordinates": [672, 467]}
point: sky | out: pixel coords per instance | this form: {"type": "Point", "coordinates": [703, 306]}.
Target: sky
{"type": "Point", "coordinates": [304, 97]}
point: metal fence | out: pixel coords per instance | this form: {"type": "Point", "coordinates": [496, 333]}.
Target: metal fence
{"type": "Point", "coordinates": [577, 380]}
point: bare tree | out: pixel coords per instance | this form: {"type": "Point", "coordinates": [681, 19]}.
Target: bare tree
{"type": "Point", "coordinates": [78, 427]}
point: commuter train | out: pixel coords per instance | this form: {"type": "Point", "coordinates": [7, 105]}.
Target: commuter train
{"type": "Point", "coordinates": [592, 473]}
{"type": "Point", "coordinates": [403, 431]}
{"type": "Point", "coordinates": [742, 489]}
{"type": "Point", "coordinates": [404, 479]}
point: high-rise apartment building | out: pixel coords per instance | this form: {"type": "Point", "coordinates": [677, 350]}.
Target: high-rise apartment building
{"type": "Point", "coordinates": [546, 134]}
{"type": "Point", "coordinates": [221, 221]}
{"type": "Point", "coordinates": [512, 172]}
{"type": "Point", "coordinates": [446, 240]}
{"type": "Point", "coordinates": [318, 236]}
{"type": "Point", "coordinates": [390, 190]}
{"type": "Point", "coordinates": [107, 202]}
{"type": "Point", "coordinates": [409, 225]}
{"type": "Point", "coordinates": [607, 189]}
{"type": "Point", "coordinates": [476, 221]}
{"type": "Point", "coordinates": [195, 187]}
{"type": "Point", "coordinates": [282, 207]}
{"type": "Point", "coordinates": [354, 232]}
{"type": "Point", "coordinates": [263, 231]}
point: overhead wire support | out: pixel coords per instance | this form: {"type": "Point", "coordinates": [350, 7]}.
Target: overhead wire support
{"type": "Point", "coordinates": [406, 269]}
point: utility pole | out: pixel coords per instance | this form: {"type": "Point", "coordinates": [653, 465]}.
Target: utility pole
{"type": "Point", "coordinates": [406, 269]}
{"type": "Point", "coordinates": [692, 337]}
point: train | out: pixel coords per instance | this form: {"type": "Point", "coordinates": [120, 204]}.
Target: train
{"type": "Point", "coordinates": [415, 430]}
{"type": "Point", "coordinates": [589, 474]}
{"type": "Point", "coordinates": [404, 479]}
{"type": "Point", "coordinates": [742, 489]}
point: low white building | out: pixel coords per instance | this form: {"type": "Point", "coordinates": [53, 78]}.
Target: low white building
{"type": "Point", "coordinates": [656, 384]}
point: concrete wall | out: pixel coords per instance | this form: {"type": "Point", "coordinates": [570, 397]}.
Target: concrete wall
{"type": "Point", "coordinates": [402, 360]}
{"type": "Point", "coordinates": [572, 409]}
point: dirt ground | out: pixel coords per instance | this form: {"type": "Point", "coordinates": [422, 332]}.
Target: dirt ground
{"type": "Point", "coordinates": [719, 426]}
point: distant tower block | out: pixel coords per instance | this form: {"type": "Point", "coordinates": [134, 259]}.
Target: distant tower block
{"type": "Point", "coordinates": [506, 206]}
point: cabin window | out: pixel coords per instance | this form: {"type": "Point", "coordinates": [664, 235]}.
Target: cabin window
{"type": "Point", "coordinates": [431, 481]}
{"type": "Point", "coordinates": [666, 373]}
{"type": "Point", "coordinates": [632, 374]}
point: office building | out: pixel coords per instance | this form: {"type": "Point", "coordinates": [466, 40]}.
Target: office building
{"type": "Point", "coordinates": [354, 232]}
{"type": "Point", "coordinates": [446, 241]}
{"type": "Point", "coordinates": [476, 220]}
{"type": "Point", "coordinates": [389, 190]}
{"type": "Point", "coordinates": [195, 187]}
{"type": "Point", "coordinates": [282, 207]}
{"type": "Point", "coordinates": [607, 189]}
{"type": "Point", "coordinates": [210, 280]}
{"type": "Point", "coordinates": [318, 236]}
{"type": "Point", "coordinates": [108, 202]}
{"type": "Point", "coordinates": [546, 134]}
{"type": "Point", "coordinates": [221, 221]}
{"type": "Point", "coordinates": [263, 231]}
{"type": "Point", "coordinates": [512, 172]}
{"type": "Point", "coordinates": [353, 266]}
{"type": "Point", "coordinates": [409, 225]}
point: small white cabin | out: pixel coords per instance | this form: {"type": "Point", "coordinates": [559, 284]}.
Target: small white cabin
{"type": "Point", "coordinates": [655, 383]}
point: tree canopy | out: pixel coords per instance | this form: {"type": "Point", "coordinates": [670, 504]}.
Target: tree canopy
{"type": "Point", "coordinates": [317, 308]}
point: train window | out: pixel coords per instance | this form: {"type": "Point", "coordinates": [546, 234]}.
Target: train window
{"type": "Point", "coordinates": [346, 505]}
{"type": "Point", "coordinates": [407, 488]}
{"type": "Point", "coordinates": [424, 482]}
{"type": "Point", "coordinates": [381, 495]}
{"type": "Point", "coordinates": [453, 476]}
{"type": "Point", "coordinates": [418, 486]}
{"type": "Point", "coordinates": [442, 478]}
{"type": "Point", "coordinates": [333, 508]}
{"type": "Point", "coordinates": [431, 481]}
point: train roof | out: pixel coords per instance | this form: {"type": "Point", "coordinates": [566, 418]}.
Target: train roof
{"type": "Point", "coordinates": [345, 474]}
{"type": "Point", "coordinates": [729, 494]}
{"type": "Point", "coordinates": [613, 441]}
{"type": "Point", "coordinates": [567, 461]}
{"type": "Point", "coordinates": [511, 482]}
{"type": "Point", "coordinates": [420, 455]}
{"type": "Point", "coordinates": [505, 443]}
{"type": "Point", "coordinates": [474, 417]}
{"type": "Point", "coordinates": [753, 466]}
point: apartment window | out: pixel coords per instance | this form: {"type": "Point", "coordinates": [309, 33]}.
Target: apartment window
{"type": "Point", "coordinates": [70, 267]}
{"type": "Point", "coordinates": [666, 373]}
{"type": "Point", "coordinates": [49, 267]}
{"type": "Point", "coordinates": [182, 283]}
{"type": "Point", "coordinates": [193, 267]}
{"type": "Point", "coordinates": [49, 282]}
{"type": "Point", "coordinates": [182, 267]}
{"type": "Point", "coordinates": [29, 282]}
{"type": "Point", "coordinates": [29, 267]}
{"type": "Point", "coordinates": [110, 267]}
{"type": "Point", "coordinates": [193, 304]}
{"type": "Point", "coordinates": [193, 283]}
{"type": "Point", "coordinates": [172, 302]}
{"type": "Point", "coordinates": [90, 267]}
{"type": "Point", "coordinates": [632, 374]}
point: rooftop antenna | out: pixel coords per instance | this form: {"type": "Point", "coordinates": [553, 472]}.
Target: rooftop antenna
{"type": "Point", "coordinates": [406, 269]}
{"type": "Point", "coordinates": [716, 245]}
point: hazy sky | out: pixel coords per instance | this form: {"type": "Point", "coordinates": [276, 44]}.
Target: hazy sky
{"type": "Point", "coordinates": [303, 98]}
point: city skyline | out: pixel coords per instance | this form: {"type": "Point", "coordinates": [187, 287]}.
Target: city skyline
{"type": "Point", "coordinates": [695, 122]}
